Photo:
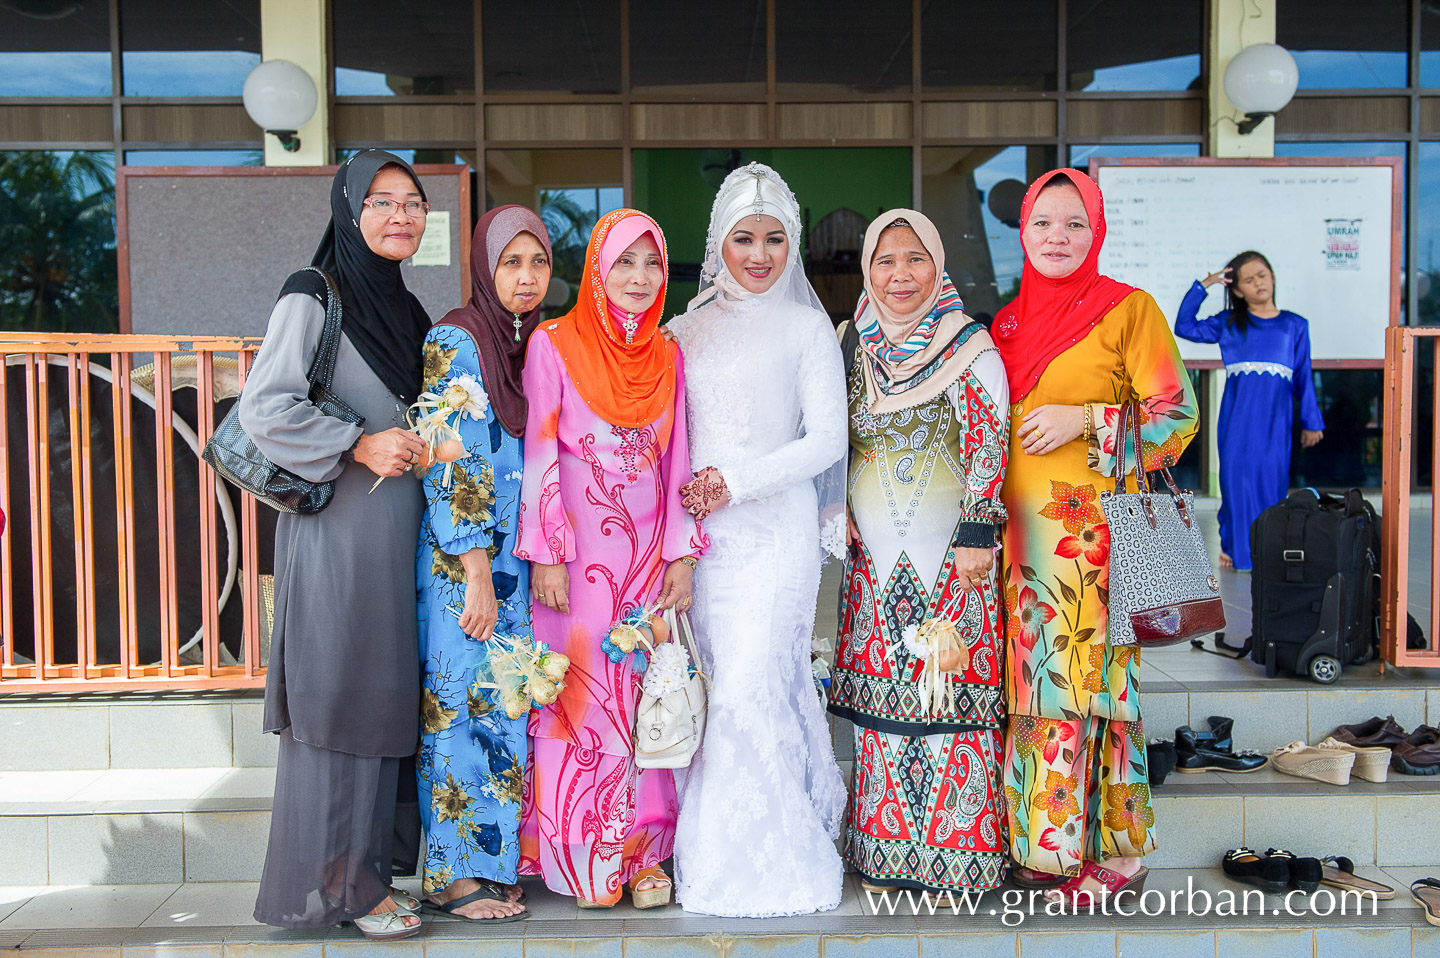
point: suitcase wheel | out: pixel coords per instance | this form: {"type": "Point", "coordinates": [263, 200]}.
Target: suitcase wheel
{"type": "Point", "coordinates": [1324, 669]}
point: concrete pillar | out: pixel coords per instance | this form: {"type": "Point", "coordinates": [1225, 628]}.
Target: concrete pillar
{"type": "Point", "coordinates": [1235, 25]}
{"type": "Point", "coordinates": [294, 30]}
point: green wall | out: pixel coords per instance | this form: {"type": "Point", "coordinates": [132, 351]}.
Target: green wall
{"type": "Point", "coordinates": [669, 187]}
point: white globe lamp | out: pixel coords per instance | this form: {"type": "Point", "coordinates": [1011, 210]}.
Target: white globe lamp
{"type": "Point", "coordinates": [280, 97]}
{"type": "Point", "coordinates": [1260, 80]}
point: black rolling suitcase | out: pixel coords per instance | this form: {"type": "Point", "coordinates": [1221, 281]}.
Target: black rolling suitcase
{"type": "Point", "coordinates": [1311, 586]}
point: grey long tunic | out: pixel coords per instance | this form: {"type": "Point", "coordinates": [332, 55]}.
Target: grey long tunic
{"type": "Point", "coordinates": [344, 654]}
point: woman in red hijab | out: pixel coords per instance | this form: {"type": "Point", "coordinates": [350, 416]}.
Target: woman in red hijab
{"type": "Point", "coordinates": [1076, 346]}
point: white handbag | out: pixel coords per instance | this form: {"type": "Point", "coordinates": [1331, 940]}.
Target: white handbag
{"type": "Point", "coordinates": [670, 721]}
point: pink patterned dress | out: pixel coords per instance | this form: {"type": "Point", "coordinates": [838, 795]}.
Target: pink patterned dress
{"type": "Point", "coordinates": [605, 500]}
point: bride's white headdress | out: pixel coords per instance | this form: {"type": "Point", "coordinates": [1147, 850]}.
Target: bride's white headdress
{"type": "Point", "coordinates": [754, 190]}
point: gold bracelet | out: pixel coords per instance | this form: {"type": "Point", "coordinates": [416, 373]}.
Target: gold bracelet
{"type": "Point", "coordinates": [1089, 422]}
{"type": "Point", "coordinates": [691, 561]}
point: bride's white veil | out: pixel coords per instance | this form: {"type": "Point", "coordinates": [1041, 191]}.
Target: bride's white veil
{"type": "Point", "coordinates": [756, 190]}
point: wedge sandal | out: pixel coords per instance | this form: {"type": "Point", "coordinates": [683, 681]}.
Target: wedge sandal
{"type": "Point", "coordinates": [1339, 872]}
{"type": "Point", "coordinates": [1426, 893]}
{"type": "Point", "coordinates": [655, 896]}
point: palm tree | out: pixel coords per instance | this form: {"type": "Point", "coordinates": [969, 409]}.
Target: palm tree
{"type": "Point", "coordinates": [57, 242]}
{"type": "Point", "coordinates": [569, 224]}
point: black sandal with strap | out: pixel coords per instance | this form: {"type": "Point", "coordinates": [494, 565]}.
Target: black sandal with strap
{"type": "Point", "coordinates": [1426, 894]}
{"type": "Point", "coordinates": [1339, 872]}
{"type": "Point", "coordinates": [488, 891]}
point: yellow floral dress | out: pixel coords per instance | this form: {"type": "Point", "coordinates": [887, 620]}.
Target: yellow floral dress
{"type": "Point", "coordinates": [1076, 781]}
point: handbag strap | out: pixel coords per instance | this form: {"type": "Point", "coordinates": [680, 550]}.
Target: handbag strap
{"type": "Point", "coordinates": [679, 624]}
{"type": "Point", "coordinates": [322, 370]}
{"type": "Point", "coordinates": [1130, 417]}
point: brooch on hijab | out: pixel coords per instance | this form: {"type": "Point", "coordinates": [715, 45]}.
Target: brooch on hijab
{"type": "Point", "coordinates": [518, 324]}
{"type": "Point", "coordinates": [630, 326]}
{"type": "Point", "coordinates": [758, 206]}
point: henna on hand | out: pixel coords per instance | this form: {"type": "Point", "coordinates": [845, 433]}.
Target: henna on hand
{"type": "Point", "coordinates": [705, 493]}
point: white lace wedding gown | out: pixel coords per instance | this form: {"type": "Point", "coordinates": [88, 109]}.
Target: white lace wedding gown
{"type": "Point", "coordinates": [762, 803]}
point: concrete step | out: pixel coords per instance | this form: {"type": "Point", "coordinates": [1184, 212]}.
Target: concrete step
{"type": "Point", "coordinates": [130, 921]}
{"type": "Point", "coordinates": [156, 826]}
{"type": "Point", "coordinates": [134, 730]}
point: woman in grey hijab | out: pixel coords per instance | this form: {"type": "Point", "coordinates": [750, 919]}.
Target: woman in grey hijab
{"type": "Point", "coordinates": [343, 685]}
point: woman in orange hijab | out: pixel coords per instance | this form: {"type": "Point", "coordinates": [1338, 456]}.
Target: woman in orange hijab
{"type": "Point", "coordinates": [603, 522]}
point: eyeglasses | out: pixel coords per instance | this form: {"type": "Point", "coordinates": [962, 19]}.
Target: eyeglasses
{"type": "Point", "coordinates": [384, 207]}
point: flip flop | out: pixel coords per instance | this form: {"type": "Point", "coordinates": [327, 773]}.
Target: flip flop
{"type": "Point", "coordinates": [1426, 893]}
{"type": "Point", "coordinates": [1339, 871]}
{"type": "Point", "coordinates": [488, 891]}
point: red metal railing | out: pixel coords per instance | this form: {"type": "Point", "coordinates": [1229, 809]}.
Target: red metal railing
{"type": "Point", "coordinates": [156, 603]}
{"type": "Point", "coordinates": [1402, 350]}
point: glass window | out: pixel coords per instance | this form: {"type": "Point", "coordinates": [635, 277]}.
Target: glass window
{"type": "Point", "coordinates": [950, 59]}
{"type": "Point", "coordinates": [1429, 45]}
{"type": "Point", "coordinates": [573, 46]}
{"type": "Point", "coordinates": [57, 256]}
{"type": "Point", "coordinates": [1106, 51]}
{"type": "Point", "coordinates": [194, 157]}
{"type": "Point", "coordinates": [973, 195]}
{"type": "Point", "coordinates": [844, 45]}
{"type": "Point", "coordinates": [1081, 154]}
{"type": "Point", "coordinates": [197, 48]}
{"type": "Point", "coordinates": [1335, 47]}
{"type": "Point", "coordinates": [571, 190]}
{"type": "Point", "coordinates": [430, 51]}
{"type": "Point", "coordinates": [1427, 235]}
{"type": "Point", "coordinates": [42, 54]}
{"type": "Point", "coordinates": [730, 62]}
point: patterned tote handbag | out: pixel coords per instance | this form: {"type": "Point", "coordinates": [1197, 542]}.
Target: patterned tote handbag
{"type": "Point", "coordinates": [1163, 589]}
{"type": "Point", "coordinates": [231, 452]}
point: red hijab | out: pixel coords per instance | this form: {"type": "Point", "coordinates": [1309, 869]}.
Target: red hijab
{"type": "Point", "coordinates": [625, 384]}
{"type": "Point", "coordinates": [1051, 315]}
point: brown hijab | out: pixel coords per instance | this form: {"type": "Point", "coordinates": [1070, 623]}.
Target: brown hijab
{"type": "Point", "coordinates": [500, 335]}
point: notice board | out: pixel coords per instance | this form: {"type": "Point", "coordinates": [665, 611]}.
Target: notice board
{"type": "Point", "coordinates": [1331, 228]}
{"type": "Point", "coordinates": [204, 250]}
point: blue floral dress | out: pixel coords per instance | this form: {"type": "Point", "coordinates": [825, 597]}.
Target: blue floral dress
{"type": "Point", "coordinates": [471, 765]}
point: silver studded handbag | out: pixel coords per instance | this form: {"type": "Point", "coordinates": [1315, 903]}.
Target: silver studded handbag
{"type": "Point", "coordinates": [1163, 589]}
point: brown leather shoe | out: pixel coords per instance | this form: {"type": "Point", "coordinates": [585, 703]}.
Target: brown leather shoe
{"type": "Point", "coordinates": [1419, 754]}
{"type": "Point", "coordinates": [1378, 732]}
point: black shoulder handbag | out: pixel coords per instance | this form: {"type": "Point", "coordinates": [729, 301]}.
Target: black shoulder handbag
{"type": "Point", "coordinates": [232, 453]}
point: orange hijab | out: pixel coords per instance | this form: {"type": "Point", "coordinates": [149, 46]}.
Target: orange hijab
{"type": "Point", "coordinates": [625, 385]}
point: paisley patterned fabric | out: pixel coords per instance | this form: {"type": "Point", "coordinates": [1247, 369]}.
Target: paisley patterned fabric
{"type": "Point", "coordinates": [605, 501]}
{"type": "Point", "coordinates": [924, 480]}
{"type": "Point", "coordinates": [471, 763]}
{"type": "Point", "coordinates": [1060, 665]}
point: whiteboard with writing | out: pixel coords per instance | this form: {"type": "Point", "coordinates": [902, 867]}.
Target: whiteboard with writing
{"type": "Point", "coordinates": [1327, 230]}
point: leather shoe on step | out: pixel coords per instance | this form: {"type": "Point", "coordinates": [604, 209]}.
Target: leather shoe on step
{"type": "Point", "coordinates": [1376, 733]}
{"type": "Point", "coordinates": [1419, 754]}
{"type": "Point", "coordinates": [1194, 754]}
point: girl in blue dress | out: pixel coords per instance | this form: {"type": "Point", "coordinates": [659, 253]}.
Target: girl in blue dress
{"type": "Point", "coordinates": [1266, 351]}
{"type": "Point", "coordinates": [471, 764]}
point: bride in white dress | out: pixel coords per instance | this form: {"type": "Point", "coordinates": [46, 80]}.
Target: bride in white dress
{"type": "Point", "coordinates": [762, 803]}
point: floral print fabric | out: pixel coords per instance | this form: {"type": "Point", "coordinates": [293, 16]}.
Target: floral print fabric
{"type": "Point", "coordinates": [1081, 693]}
{"type": "Point", "coordinates": [471, 763]}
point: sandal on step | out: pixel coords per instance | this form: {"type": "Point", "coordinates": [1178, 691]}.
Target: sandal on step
{"type": "Point", "coordinates": [1073, 897]}
{"type": "Point", "coordinates": [1426, 893]}
{"type": "Point", "coordinates": [1024, 877]}
{"type": "Point", "coordinates": [389, 926]}
{"type": "Point", "coordinates": [1339, 871]}
{"type": "Point", "coordinates": [488, 891]}
{"type": "Point", "coordinates": [587, 903]}
{"type": "Point", "coordinates": [868, 886]}
{"type": "Point", "coordinates": [655, 896]}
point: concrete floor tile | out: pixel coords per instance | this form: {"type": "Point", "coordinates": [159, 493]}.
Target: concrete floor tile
{"type": "Point", "coordinates": [969, 945]}
{"type": "Point", "coordinates": [1401, 821]}
{"type": "Point", "coordinates": [1370, 942]}
{"type": "Point", "coordinates": [207, 904]}
{"type": "Point", "coordinates": [706, 947]}
{"type": "Point", "coordinates": [1195, 832]}
{"type": "Point", "coordinates": [173, 950]}
{"type": "Point", "coordinates": [90, 906]}
{"type": "Point", "coordinates": [13, 896]}
{"type": "Point", "coordinates": [115, 849]}
{"type": "Point", "coordinates": [1313, 825]}
{"type": "Point", "coordinates": [777, 946]}
{"type": "Point", "coordinates": [23, 841]}
{"type": "Point", "coordinates": [1332, 707]}
{"type": "Point", "coordinates": [251, 949]}
{"type": "Point", "coordinates": [1171, 944]}
{"type": "Point", "coordinates": [243, 783]}
{"type": "Point", "coordinates": [250, 745]}
{"type": "Point", "coordinates": [499, 947]}
{"type": "Point", "coordinates": [225, 846]}
{"type": "Point", "coordinates": [43, 737]}
{"type": "Point", "coordinates": [1163, 712]}
{"type": "Point", "coordinates": [170, 736]}
{"type": "Point", "coordinates": [52, 786]}
{"type": "Point", "coordinates": [1425, 942]}
{"type": "Point", "coordinates": [1261, 943]}
{"type": "Point", "coordinates": [356, 945]}
{"type": "Point", "coordinates": [130, 784]}
{"type": "Point", "coordinates": [1264, 719]}
{"type": "Point", "coordinates": [868, 946]}
{"type": "Point", "coordinates": [1075, 944]}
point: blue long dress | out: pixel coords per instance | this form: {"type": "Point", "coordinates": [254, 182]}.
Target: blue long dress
{"type": "Point", "coordinates": [1266, 369]}
{"type": "Point", "coordinates": [471, 764]}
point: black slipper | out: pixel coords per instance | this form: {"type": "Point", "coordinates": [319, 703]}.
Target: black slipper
{"type": "Point", "coordinates": [488, 891]}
